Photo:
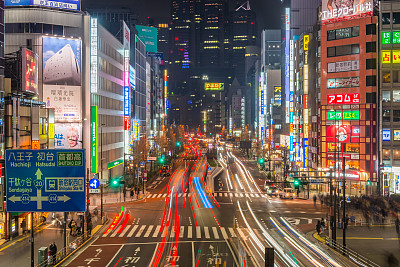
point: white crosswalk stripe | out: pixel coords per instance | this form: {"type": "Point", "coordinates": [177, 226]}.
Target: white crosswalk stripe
{"type": "Point", "coordinates": [159, 195]}
{"type": "Point", "coordinates": [241, 234]}
{"type": "Point", "coordinates": [164, 196]}
{"type": "Point", "coordinates": [157, 231]}
{"type": "Point", "coordinates": [185, 232]}
{"type": "Point", "coordinates": [230, 194]}
{"type": "Point", "coordinates": [132, 231]}
{"type": "Point", "coordinates": [139, 233]}
{"type": "Point", "coordinates": [125, 230]}
{"type": "Point", "coordinates": [220, 194]}
{"type": "Point", "coordinates": [216, 235]}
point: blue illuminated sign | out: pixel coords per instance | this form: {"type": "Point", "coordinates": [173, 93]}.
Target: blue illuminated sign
{"type": "Point", "coordinates": [94, 183]}
{"type": "Point", "coordinates": [386, 135]}
{"type": "Point", "coordinates": [45, 180]}
{"type": "Point", "coordinates": [60, 4]}
{"type": "Point", "coordinates": [262, 102]}
{"type": "Point", "coordinates": [126, 100]}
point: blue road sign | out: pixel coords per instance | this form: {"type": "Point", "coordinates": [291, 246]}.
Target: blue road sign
{"type": "Point", "coordinates": [142, 164]}
{"type": "Point", "coordinates": [348, 199]}
{"type": "Point", "coordinates": [94, 183]}
{"type": "Point", "coordinates": [45, 180]}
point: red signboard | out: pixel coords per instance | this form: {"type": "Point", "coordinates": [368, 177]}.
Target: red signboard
{"type": "Point", "coordinates": [344, 99]}
{"type": "Point", "coordinates": [343, 134]}
{"type": "Point", "coordinates": [305, 101]}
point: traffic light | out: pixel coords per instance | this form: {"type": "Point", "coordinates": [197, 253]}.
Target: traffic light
{"type": "Point", "coordinates": [296, 183]}
{"type": "Point", "coordinates": [161, 160]}
{"type": "Point", "coordinates": [368, 182]}
{"type": "Point", "coordinates": [114, 182]}
{"type": "Point", "coordinates": [261, 161]}
{"type": "Point", "coordinates": [178, 144]}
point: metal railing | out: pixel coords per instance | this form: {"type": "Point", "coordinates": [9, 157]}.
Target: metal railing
{"type": "Point", "coordinates": [350, 254]}
{"type": "Point", "coordinates": [52, 260]}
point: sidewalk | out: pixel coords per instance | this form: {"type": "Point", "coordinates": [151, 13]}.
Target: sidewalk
{"type": "Point", "coordinates": [113, 198]}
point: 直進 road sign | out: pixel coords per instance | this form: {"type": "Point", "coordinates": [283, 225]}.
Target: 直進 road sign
{"type": "Point", "coordinates": [45, 180]}
{"type": "Point", "coordinates": [94, 184]}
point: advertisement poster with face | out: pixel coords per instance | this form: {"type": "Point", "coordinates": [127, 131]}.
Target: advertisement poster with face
{"type": "Point", "coordinates": [68, 136]}
{"type": "Point", "coordinates": [62, 78]}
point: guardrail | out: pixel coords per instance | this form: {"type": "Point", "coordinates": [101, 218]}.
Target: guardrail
{"type": "Point", "coordinates": [350, 254]}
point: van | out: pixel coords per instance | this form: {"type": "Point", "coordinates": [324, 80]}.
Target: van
{"type": "Point", "coordinates": [287, 193]}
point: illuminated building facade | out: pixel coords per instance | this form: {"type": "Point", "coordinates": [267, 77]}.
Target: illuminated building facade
{"type": "Point", "coordinates": [349, 108]}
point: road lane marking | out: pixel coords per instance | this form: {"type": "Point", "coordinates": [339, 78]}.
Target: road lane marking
{"type": "Point", "coordinates": [198, 232]}
{"type": "Point", "coordinates": [125, 230]}
{"type": "Point", "coordinates": [157, 231]}
{"type": "Point", "coordinates": [164, 196]}
{"type": "Point", "coordinates": [159, 196]}
{"type": "Point", "coordinates": [206, 232]}
{"type": "Point", "coordinates": [224, 235]}
{"type": "Point", "coordinates": [139, 233]}
{"type": "Point", "coordinates": [230, 194]}
{"type": "Point", "coordinates": [216, 235]}
{"type": "Point", "coordinates": [241, 233]}
{"type": "Point", "coordinates": [181, 231]}
{"type": "Point", "coordinates": [236, 195]}
{"type": "Point", "coordinates": [172, 232]}
{"type": "Point", "coordinates": [147, 234]}
{"type": "Point", "coordinates": [116, 231]}
{"type": "Point", "coordinates": [241, 195]}
{"type": "Point", "coordinates": [190, 232]}
{"type": "Point", "coordinates": [251, 195]}
{"type": "Point", "coordinates": [132, 231]}
{"type": "Point", "coordinates": [232, 232]}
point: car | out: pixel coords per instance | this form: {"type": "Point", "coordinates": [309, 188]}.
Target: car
{"type": "Point", "coordinates": [287, 193]}
{"type": "Point", "coordinates": [273, 191]}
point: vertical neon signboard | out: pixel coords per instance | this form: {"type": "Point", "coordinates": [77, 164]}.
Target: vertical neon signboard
{"type": "Point", "coordinates": [287, 61]}
{"type": "Point", "coordinates": [93, 139]}
{"type": "Point", "coordinates": [93, 55]}
{"type": "Point", "coordinates": [291, 99]}
{"type": "Point", "coordinates": [127, 104]}
{"type": "Point", "coordinates": [165, 91]}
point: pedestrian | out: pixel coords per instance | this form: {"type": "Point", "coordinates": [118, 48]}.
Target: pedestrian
{"type": "Point", "coordinates": [315, 200]}
{"type": "Point", "coordinates": [53, 252]}
{"type": "Point", "coordinates": [322, 201]}
{"type": "Point", "coordinates": [131, 191]}
{"type": "Point", "coordinates": [73, 228]}
{"type": "Point", "coordinates": [322, 225]}
{"type": "Point", "coordinates": [318, 227]}
{"type": "Point", "coordinates": [397, 223]}
{"type": "Point", "coordinates": [89, 228]}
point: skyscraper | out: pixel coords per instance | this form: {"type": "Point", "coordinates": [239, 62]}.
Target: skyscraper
{"type": "Point", "coordinates": [242, 32]}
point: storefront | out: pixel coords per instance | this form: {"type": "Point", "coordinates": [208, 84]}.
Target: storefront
{"type": "Point", "coordinates": [391, 180]}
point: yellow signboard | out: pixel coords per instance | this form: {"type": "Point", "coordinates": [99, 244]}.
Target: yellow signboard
{"type": "Point", "coordinates": [214, 86]}
{"type": "Point", "coordinates": [386, 56]}
{"type": "Point", "coordinates": [306, 42]}
{"type": "Point", "coordinates": [396, 56]}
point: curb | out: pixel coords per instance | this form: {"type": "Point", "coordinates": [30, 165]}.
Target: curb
{"type": "Point", "coordinates": [130, 201]}
{"type": "Point", "coordinates": [319, 238]}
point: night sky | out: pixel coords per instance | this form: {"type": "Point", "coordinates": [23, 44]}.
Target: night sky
{"type": "Point", "coordinates": [268, 11]}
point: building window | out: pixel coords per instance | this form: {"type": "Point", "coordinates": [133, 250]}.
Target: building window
{"type": "Point", "coordinates": [371, 63]}
{"type": "Point", "coordinates": [370, 29]}
{"type": "Point", "coordinates": [343, 50]}
{"type": "Point", "coordinates": [371, 80]}
{"type": "Point", "coordinates": [343, 33]}
{"type": "Point", "coordinates": [396, 154]}
{"type": "Point", "coordinates": [371, 47]}
{"type": "Point", "coordinates": [396, 115]}
{"type": "Point", "coordinates": [386, 154]}
{"type": "Point", "coordinates": [386, 115]}
{"type": "Point", "coordinates": [385, 18]}
{"type": "Point", "coordinates": [396, 17]}
{"type": "Point", "coordinates": [386, 96]}
{"type": "Point", "coordinates": [331, 52]}
{"type": "Point", "coordinates": [386, 76]}
{"type": "Point", "coordinates": [396, 95]}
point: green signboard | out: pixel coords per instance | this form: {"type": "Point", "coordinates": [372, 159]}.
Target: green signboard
{"type": "Point", "coordinates": [396, 37]}
{"type": "Point", "coordinates": [93, 139]}
{"type": "Point", "coordinates": [115, 163]}
{"type": "Point", "coordinates": [347, 115]}
{"type": "Point", "coordinates": [385, 37]}
{"type": "Point", "coordinates": [148, 35]}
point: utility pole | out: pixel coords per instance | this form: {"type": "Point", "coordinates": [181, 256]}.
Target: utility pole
{"type": "Point", "coordinates": [32, 243]}
{"type": "Point", "coordinates": [344, 205]}
{"type": "Point", "coordinates": [101, 171]}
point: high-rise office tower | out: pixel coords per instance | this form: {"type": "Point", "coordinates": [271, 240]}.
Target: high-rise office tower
{"type": "Point", "coordinates": [242, 32]}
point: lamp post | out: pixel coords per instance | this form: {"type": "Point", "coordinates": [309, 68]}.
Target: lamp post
{"type": "Point", "coordinates": [101, 170]}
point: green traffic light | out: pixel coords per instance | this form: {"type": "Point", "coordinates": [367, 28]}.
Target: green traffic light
{"type": "Point", "coordinates": [261, 161]}
{"type": "Point", "coordinates": [178, 144]}
{"type": "Point", "coordinates": [296, 182]}
{"type": "Point", "coordinates": [368, 182]}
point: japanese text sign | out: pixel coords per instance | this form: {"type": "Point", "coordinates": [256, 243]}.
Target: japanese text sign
{"type": "Point", "coordinates": [344, 99]}
{"type": "Point", "coordinates": [45, 180]}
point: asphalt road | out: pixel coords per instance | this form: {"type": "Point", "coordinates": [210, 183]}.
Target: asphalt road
{"type": "Point", "coordinates": [182, 223]}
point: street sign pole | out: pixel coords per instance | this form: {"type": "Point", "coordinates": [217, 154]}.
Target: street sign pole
{"type": "Point", "coordinates": [65, 229]}
{"type": "Point", "coordinates": [344, 205]}
{"type": "Point", "coordinates": [32, 244]}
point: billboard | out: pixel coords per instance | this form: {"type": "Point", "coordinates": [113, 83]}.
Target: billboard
{"type": "Point", "coordinates": [214, 86]}
{"type": "Point", "coordinates": [29, 71]}
{"type": "Point", "coordinates": [339, 10]}
{"type": "Point", "coordinates": [62, 78]}
{"type": "Point", "coordinates": [59, 4]}
{"type": "Point", "coordinates": [149, 37]}
{"type": "Point", "coordinates": [344, 99]}
{"type": "Point", "coordinates": [68, 136]}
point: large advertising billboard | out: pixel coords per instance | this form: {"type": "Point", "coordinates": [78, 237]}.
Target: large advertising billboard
{"type": "Point", "coordinates": [62, 78]}
{"type": "Point", "coordinates": [29, 71]}
{"type": "Point", "coordinates": [68, 136]}
{"type": "Point", "coordinates": [341, 10]}
{"type": "Point", "coordinates": [149, 37]}
{"type": "Point", "coordinates": [59, 4]}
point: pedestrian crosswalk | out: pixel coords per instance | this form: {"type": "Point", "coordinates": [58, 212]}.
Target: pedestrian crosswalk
{"type": "Point", "coordinates": [298, 220]}
{"type": "Point", "coordinates": [185, 232]}
{"type": "Point", "coordinates": [225, 194]}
